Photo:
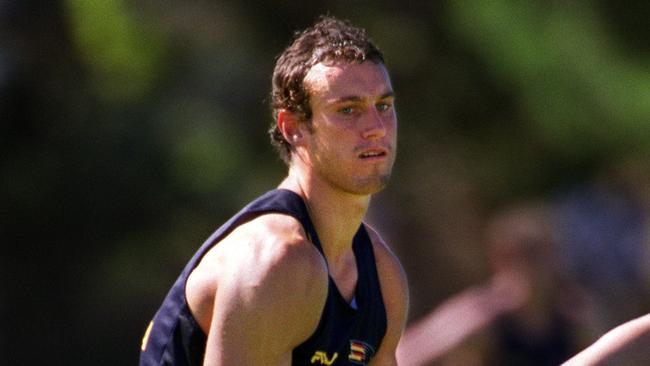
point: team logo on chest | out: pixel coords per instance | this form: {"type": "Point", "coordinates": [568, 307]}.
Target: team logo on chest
{"type": "Point", "coordinates": [360, 352]}
{"type": "Point", "coordinates": [322, 358]}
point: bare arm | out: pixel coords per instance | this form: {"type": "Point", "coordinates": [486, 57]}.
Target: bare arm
{"type": "Point", "coordinates": [394, 288]}
{"type": "Point", "coordinates": [627, 343]}
{"type": "Point", "coordinates": [269, 298]}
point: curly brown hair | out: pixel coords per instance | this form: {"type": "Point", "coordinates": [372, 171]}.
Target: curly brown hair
{"type": "Point", "coordinates": [329, 39]}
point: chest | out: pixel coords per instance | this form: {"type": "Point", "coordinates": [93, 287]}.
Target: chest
{"type": "Point", "coordinates": [345, 276]}
{"type": "Point", "coordinates": [348, 335]}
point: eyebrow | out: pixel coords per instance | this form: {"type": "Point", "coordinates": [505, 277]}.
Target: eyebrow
{"type": "Point", "coordinates": [356, 98]}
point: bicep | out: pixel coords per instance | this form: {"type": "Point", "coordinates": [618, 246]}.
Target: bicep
{"type": "Point", "coordinates": [233, 332]}
{"type": "Point", "coordinates": [260, 315]}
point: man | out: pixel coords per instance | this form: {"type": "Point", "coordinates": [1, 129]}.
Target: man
{"type": "Point", "coordinates": [296, 278]}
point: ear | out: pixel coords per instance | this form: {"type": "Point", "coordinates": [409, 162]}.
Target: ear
{"type": "Point", "coordinates": [290, 126]}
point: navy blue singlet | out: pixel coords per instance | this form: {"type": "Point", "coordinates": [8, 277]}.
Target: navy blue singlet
{"type": "Point", "coordinates": [346, 334]}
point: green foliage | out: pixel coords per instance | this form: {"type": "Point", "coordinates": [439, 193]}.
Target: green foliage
{"type": "Point", "coordinates": [583, 95]}
{"type": "Point", "coordinates": [205, 152]}
{"type": "Point", "coordinates": [122, 54]}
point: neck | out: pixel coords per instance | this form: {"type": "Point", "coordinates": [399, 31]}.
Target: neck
{"type": "Point", "coordinates": [336, 214]}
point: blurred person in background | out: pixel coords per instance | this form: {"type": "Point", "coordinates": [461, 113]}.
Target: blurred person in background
{"type": "Point", "coordinates": [297, 278]}
{"type": "Point", "coordinates": [603, 238]}
{"type": "Point", "coordinates": [621, 239]}
{"type": "Point", "coordinates": [525, 313]}
{"type": "Point", "coordinates": [541, 331]}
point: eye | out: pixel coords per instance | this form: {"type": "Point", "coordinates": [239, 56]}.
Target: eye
{"type": "Point", "coordinates": [346, 110]}
{"type": "Point", "coordinates": [383, 106]}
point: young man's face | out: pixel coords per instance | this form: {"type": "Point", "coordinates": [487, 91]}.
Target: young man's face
{"type": "Point", "coordinates": [352, 145]}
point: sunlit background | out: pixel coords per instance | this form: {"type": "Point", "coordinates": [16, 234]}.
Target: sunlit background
{"type": "Point", "coordinates": [130, 130]}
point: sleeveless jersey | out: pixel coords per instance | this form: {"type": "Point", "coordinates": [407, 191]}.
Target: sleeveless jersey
{"type": "Point", "coordinates": [347, 334]}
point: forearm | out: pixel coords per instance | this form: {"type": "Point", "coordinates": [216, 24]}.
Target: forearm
{"type": "Point", "coordinates": [629, 341]}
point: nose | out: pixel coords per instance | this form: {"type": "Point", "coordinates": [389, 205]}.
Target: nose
{"type": "Point", "coordinates": [375, 127]}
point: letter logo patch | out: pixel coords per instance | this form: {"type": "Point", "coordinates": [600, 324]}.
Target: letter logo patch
{"type": "Point", "coordinates": [321, 358]}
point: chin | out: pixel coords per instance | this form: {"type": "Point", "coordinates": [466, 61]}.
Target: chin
{"type": "Point", "coordinates": [371, 186]}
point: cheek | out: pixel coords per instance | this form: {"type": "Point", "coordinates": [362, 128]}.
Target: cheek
{"type": "Point", "coordinates": [393, 118]}
{"type": "Point", "coordinates": [391, 125]}
{"type": "Point", "coordinates": [335, 134]}
{"type": "Point", "coordinates": [323, 144]}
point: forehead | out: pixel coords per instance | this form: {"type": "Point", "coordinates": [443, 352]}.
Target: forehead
{"type": "Point", "coordinates": [344, 79]}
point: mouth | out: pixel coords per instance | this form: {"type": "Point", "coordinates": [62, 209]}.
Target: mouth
{"type": "Point", "coordinates": [373, 154]}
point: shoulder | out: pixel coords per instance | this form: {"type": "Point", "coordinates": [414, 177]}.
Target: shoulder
{"type": "Point", "coordinates": [267, 242]}
{"type": "Point", "coordinates": [269, 292]}
{"type": "Point", "coordinates": [387, 261]}
{"type": "Point", "coordinates": [394, 288]}
{"type": "Point", "coordinates": [272, 256]}
{"type": "Point", "coordinates": [267, 261]}
{"type": "Point", "coordinates": [275, 244]}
